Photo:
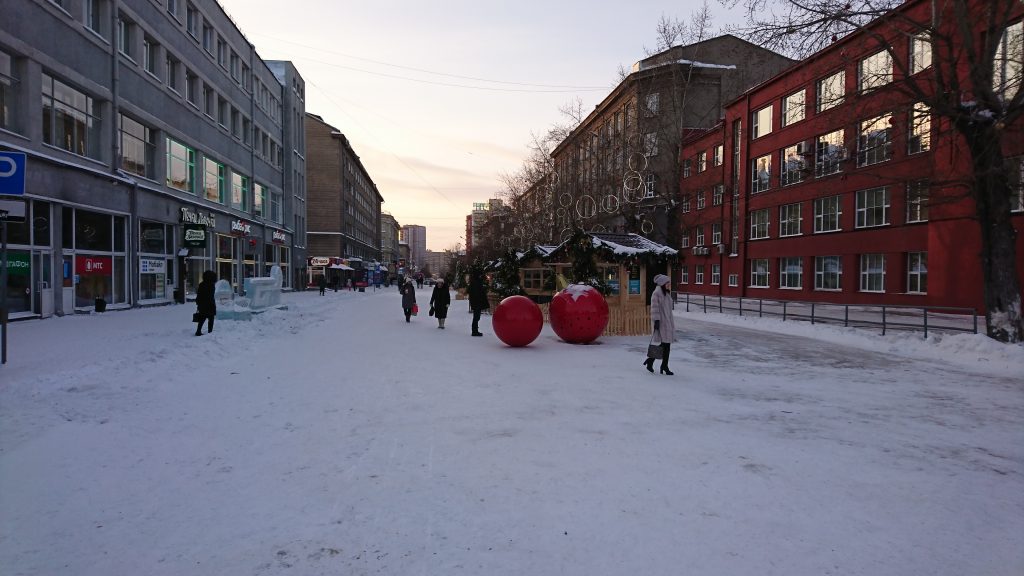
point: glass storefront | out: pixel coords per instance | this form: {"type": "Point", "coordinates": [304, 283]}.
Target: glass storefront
{"type": "Point", "coordinates": [156, 261]}
{"type": "Point", "coordinates": [96, 243]}
{"type": "Point", "coordinates": [227, 259]}
{"type": "Point", "coordinates": [29, 257]}
{"type": "Point", "coordinates": [276, 255]}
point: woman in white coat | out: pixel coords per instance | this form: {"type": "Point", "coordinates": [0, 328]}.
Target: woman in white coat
{"type": "Point", "coordinates": [664, 322]}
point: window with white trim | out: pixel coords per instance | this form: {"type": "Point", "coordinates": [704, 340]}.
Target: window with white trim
{"type": "Point", "coordinates": [716, 274]}
{"type": "Point", "coordinates": [828, 272]}
{"type": "Point", "coordinates": [920, 52]}
{"type": "Point", "coordinates": [759, 276]}
{"type": "Point", "coordinates": [830, 91]}
{"type": "Point", "coordinates": [826, 214]}
{"type": "Point", "coordinates": [917, 201]}
{"type": "Point", "coordinates": [872, 272]}
{"type": "Point", "coordinates": [761, 172]}
{"type": "Point", "coordinates": [872, 207]}
{"type": "Point", "coordinates": [874, 143]}
{"type": "Point", "coordinates": [684, 275]}
{"type": "Point", "coordinates": [702, 161]}
{"type": "Point", "coordinates": [761, 123]}
{"type": "Point", "coordinates": [790, 220]}
{"type": "Point", "coordinates": [734, 280]}
{"type": "Point", "coordinates": [716, 233]}
{"type": "Point", "coordinates": [759, 221]}
{"type": "Point", "coordinates": [700, 236]}
{"type": "Point", "coordinates": [919, 138]}
{"type": "Point", "coordinates": [917, 272]}
{"type": "Point", "coordinates": [701, 203]}
{"type": "Point", "coordinates": [875, 71]}
{"type": "Point", "coordinates": [829, 152]}
{"type": "Point", "coordinates": [717, 155]}
{"type": "Point", "coordinates": [1008, 64]}
{"type": "Point", "coordinates": [794, 163]}
{"type": "Point", "coordinates": [793, 107]}
{"type": "Point", "coordinates": [698, 274]}
{"type": "Point", "coordinates": [791, 273]}
{"type": "Point", "coordinates": [717, 193]}
{"type": "Point", "coordinates": [684, 240]}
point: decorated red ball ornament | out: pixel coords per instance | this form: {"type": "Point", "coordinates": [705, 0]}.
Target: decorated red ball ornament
{"type": "Point", "coordinates": [579, 314]}
{"type": "Point", "coordinates": [517, 321]}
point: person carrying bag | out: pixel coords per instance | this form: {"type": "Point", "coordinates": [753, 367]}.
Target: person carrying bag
{"type": "Point", "coordinates": [664, 326]}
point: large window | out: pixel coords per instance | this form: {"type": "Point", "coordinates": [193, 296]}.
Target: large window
{"type": "Point", "coordinates": [276, 213]}
{"type": "Point", "coordinates": [156, 260]}
{"type": "Point", "coordinates": [920, 139]}
{"type": "Point", "coordinates": [698, 274]}
{"type": "Point", "coordinates": [701, 202]}
{"type": "Point", "coordinates": [875, 71]}
{"type": "Point", "coordinates": [1008, 66]}
{"type": "Point", "coordinates": [716, 233]}
{"type": "Point", "coordinates": [789, 220]}
{"type": "Point", "coordinates": [8, 82]}
{"type": "Point", "coordinates": [700, 236]}
{"type": "Point", "coordinates": [716, 274]}
{"type": "Point", "coordinates": [874, 143]}
{"type": "Point", "coordinates": [126, 37]}
{"type": "Point", "coordinates": [137, 147]}
{"type": "Point", "coordinates": [828, 271]}
{"type": "Point", "coordinates": [69, 119]}
{"type": "Point", "coordinates": [759, 224]}
{"type": "Point", "coordinates": [826, 214]}
{"type": "Point", "coordinates": [239, 192]}
{"type": "Point", "coordinates": [213, 180]}
{"type": "Point", "coordinates": [259, 200]}
{"type": "Point", "coordinates": [651, 105]}
{"type": "Point", "coordinates": [872, 273]}
{"type": "Point", "coordinates": [181, 166]}
{"type": "Point", "coordinates": [920, 53]}
{"type": "Point", "coordinates": [829, 151]}
{"type": "Point", "coordinates": [717, 194]}
{"type": "Point", "coordinates": [793, 108]}
{"type": "Point", "coordinates": [716, 157]}
{"type": "Point", "coordinates": [759, 273]}
{"type": "Point", "coordinates": [872, 207]}
{"type": "Point", "coordinates": [93, 15]}
{"type": "Point", "coordinates": [917, 272]}
{"type": "Point", "coordinates": [830, 91]}
{"type": "Point", "coordinates": [150, 55]}
{"type": "Point", "coordinates": [917, 201]}
{"type": "Point", "coordinates": [761, 122]}
{"type": "Point", "coordinates": [761, 172]}
{"type": "Point", "coordinates": [651, 144]}
{"type": "Point", "coordinates": [794, 163]}
{"type": "Point", "coordinates": [702, 161]}
{"type": "Point", "coordinates": [791, 273]}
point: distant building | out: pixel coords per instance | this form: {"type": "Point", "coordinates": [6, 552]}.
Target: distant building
{"type": "Point", "coordinates": [437, 262]}
{"type": "Point", "coordinates": [389, 232]}
{"type": "Point", "coordinates": [415, 238]}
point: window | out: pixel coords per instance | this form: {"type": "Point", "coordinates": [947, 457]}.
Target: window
{"type": "Point", "coordinates": [829, 151]}
{"type": "Point", "coordinates": [917, 201]}
{"type": "Point", "coordinates": [192, 20]}
{"type": "Point", "coordinates": [246, 78]}
{"type": "Point", "coordinates": [150, 55]}
{"type": "Point", "coordinates": [8, 108]}
{"type": "Point", "coordinates": [875, 71]}
{"type": "Point", "coordinates": [716, 233]}
{"type": "Point", "coordinates": [93, 16]}
{"type": "Point", "coordinates": [533, 279]}
{"type": "Point", "coordinates": [276, 202]}
{"type": "Point", "coordinates": [191, 87]}
{"type": "Point", "coordinates": [826, 214]}
{"type": "Point", "coordinates": [759, 273]}
{"type": "Point", "coordinates": [259, 200]}
{"type": "Point", "coordinates": [920, 53]}
{"type": "Point", "coordinates": [239, 192]}
{"type": "Point", "coordinates": [828, 271]}
{"type": "Point", "coordinates": [125, 37]}
{"type": "Point", "coordinates": [830, 91]}
{"type": "Point", "coordinates": [209, 100]}
{"type": "Point", "coordinates": [69, 119]}
{"type": "Point", "coordinates": [223, 112]}
{"type": "Point", "coordinates": [213, 180]}
{"type": "Point", "coordinates": [222, 53]}
{"type": "Point", "coordinates": [246, 131]}
{"type": "Point", "coordinates": [717, 193]}
{"type": "Point", "coordinates": [651, 104]}
{"type": "Point", "coordinates": [872, 273]}
{"type": "Point", "coordinates": [236, 123]}
{"type": "Point", "coordinates": [172, 7]}
{"type": "Point", "coordinates": [791, 273]}
{"type": "Point", "coordinates": [172, 73]}
{"type": "Point", "coordinates": [236, 66]}
{"type": "Point", "coordinates": [874, 144]}
{"type": "Point", "coordinates": [759, 224]}
{"type": "Point", "coordinates": [698, 274]}
{"type": "Point", "coordinates": [917, 272]}
{"type": "Point", "coordinates": [649, 182]}
{"type": "Point", "coordinates": [716, 274]}
{"type": "Point", "coordinates": [685, 239]}
{"type": "Point", "coordinates": [734, 280]}
{"type": "Point", "coordinates": [700, 236]}
{"type": "Point", "coordinates": [793, 107]}
{"type": "Point", "coordinates": [702, 161]}
{"type": "Point", "coordinates": [181, 166]}
{"type": "Point", "coordinates": [717, 155]}
{"type": "Point", "coordinates": [207, 37]}
{"type": "Point", "coordinates": [761, 170]}
{"type": "Point", "coordinates": [701, 203]}
{"type": "Point", "coordinates": [687, 165]}
{"type": "Point", "coordinates": [761, 123]}
{"type": "Point", "coordinates": [651, 144]}
{"type": "Point", "coordinates": [685, 204]}
{"type": "Point", "coordinates": [872, 207]}
{"type": "Point", "coordinates": [684, 275]}
{"type": "Point", "coordinates": [920, 139]}
{"type": "Point", "coordinates": [789, 220]}
{"type": "Point", "coordinates": [137, 147]}
{"type": "Point", "coordinates": [794, 163]}
{"type": "Point", "coordinates": [1008, 65]}
{"type": "Point", "coordinates": [1016, 178]}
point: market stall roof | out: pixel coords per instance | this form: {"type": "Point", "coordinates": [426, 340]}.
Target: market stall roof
{"type": "Point", "coordinates": [616, 246]}
{"type": "Point", "coordinates": [341, 267]}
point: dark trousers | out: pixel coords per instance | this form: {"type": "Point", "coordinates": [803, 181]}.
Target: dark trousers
{"type": "Point", "coordinates": [209, 325]}
{"type": "Point", "coordinates": [476, 321]}
{"type": "Point", "coordinates": [666, 348]}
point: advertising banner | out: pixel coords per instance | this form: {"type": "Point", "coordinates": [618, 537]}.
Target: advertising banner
{"type": "Point", "coordinates": [93, 265]}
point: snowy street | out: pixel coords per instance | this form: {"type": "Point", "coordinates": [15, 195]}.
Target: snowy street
{"type": "Point", "coordinates": [335, 438]}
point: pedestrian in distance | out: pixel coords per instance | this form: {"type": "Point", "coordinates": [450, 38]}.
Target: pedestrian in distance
{"type": "Point", "coordinates": [440, 299]}
{"type": "Point", "coordinates": [408, 299]}
{"type": "Point", "coordinates": [477, 299]}
{"type": "Point", "coordinates": [322, 283]}
{"type": "Point", "coordinates": [206, 306]}
{"type": "Point", "coordinates": [664, 322]}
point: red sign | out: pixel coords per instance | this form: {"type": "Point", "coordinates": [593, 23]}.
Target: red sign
{"type": "Point", "coordinates": [94, 265]}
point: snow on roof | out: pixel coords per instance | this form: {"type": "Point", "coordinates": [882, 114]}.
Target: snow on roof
{"type": "Point", "coordinates": [627, 244]}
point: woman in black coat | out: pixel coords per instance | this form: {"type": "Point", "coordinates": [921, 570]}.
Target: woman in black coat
{"type": "Point", "coordinates": [408, 298]}
{"type": "Point", "coordinates": [206, 306]}
{"type": "Point", "coordinates": [440, 299]}
{"type": "Point", "coordinates": [477, 300]}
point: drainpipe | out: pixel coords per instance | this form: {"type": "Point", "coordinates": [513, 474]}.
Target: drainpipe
{"type": "Point", "coordinates": [115, 160]}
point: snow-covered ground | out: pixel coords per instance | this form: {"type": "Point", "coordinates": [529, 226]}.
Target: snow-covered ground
{"type": "Point", "coordinates": [335, 438]}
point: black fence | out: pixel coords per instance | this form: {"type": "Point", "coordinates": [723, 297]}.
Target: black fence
{"type": "Point", "coordinates": [924, 318]}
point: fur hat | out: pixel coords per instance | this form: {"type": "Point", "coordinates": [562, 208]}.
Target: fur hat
{"type": "Point", "coordinates": [661, 279]}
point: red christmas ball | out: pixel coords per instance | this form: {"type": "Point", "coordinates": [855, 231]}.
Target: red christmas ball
{"type": "Point", "coordinates": [517, 321]}
{"type": "Point", "coordinates": [579, 314]}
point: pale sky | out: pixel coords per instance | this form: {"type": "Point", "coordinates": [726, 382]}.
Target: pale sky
{"type": "Point", "coordinates": [440, 98]}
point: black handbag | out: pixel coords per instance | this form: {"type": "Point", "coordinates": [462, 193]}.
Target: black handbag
{"type": "Point", "coordinates": [654, 351]}
{"type": "Point", "coordinates": [197, 317]}
{"type": "Point", "coordinates": [431, 311]}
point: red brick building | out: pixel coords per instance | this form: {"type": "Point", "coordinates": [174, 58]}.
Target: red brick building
{"type": "Point", "coordinates": [831, 182]}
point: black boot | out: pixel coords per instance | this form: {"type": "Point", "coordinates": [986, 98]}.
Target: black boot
{"type": "Point", "coordinates": [666, 349]}
{"type": "Point", "coordinates": [650, 365]}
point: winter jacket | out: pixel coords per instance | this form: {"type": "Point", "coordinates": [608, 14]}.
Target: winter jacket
{"type": "Point", "coordinates": [205, 303]}
{"type": "Point", "coordinates": [661, 312]}
{"type": "Point", "coordinates": [408, 296]}
{"type": "Point", "coordinates": [478, 295]}
{"type": "Point", "coordinates": [440, 299]}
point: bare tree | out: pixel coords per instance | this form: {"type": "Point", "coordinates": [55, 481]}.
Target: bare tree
{"type": "Point", "coordinates": [974, 48]}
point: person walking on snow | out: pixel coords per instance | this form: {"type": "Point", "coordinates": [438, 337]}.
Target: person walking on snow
{"type": "Point", "coordinates": [664, 322]}
{"type": "Point", "coordinates": [322, 283]}
{"type": "Point", "coordinates": [206, 306]}
{"type": "Point", "coordinates": [408, 298]}
{"type": "Point", "coordinates": [440, 299]}
{"type": "Point", "coordinates": [477, 300]}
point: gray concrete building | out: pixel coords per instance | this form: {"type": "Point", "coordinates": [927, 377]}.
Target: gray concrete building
{"type": "Point", "coordinates": [415, 236]}
{"type": "Point", "coordinates": [389, 232]}
{"type": "Point", "coordinates": [158, 145]}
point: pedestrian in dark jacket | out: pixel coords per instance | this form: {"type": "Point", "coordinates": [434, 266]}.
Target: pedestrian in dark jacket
{"type": "Point", "coordinates": [477, 300]}
{"type": "Point", "coordinates": [408, 298]}
{"type": "Point", "coordinates": [440, 299]}
{"type": "Point", "coordinates": [206, 306]}
{"type": "Point", "coordinates": [322, 283]}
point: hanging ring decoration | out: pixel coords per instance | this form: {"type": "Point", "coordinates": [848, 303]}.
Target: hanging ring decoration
{"type": "Point", "coordinates": [564, 235]}
{"type": "Point", "coordinates": [632, 182]}
{"type": "Point", "coordinates": [560, 212]}
{"type": "Point", "coordinates": [565, 200]}
{"type": "Point", "coordinates": [646, 226]}
{"type": "Point", "coordinates": [586, 207]}
{"type": "Point", "coordinates": [610, 204]}
{"type": "Point", "coordinates": [637, 162]}
{"type": "Point", "coordinates": [599, 228]}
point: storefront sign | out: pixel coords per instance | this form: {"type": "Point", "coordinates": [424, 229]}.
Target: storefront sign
{"type": "Point", "coordinates": [93, 265]}
{"type": "Point", "coordinates": [319, 261]}
{"type": "Point", "coordinates": [152, 265]}
{"type": "Point", "coordinates": [17, 263]}
{"type": "Point", "coordinates": [190, 217]}
{"type": "Point", "coordinates": [195, 236]}
{"type": "Point", "coordinates": [277, 237]}
{"type": "Point", "coordinates": [241, 227]}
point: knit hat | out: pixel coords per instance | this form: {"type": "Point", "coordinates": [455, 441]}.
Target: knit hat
{"type": "Point", "coordinates": [661, 279]}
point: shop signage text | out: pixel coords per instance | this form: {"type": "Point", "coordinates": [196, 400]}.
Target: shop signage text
{"type": "Point", "coordinates": [93, 265]}
{"type": "Point", "coordinates": [241, 227]}
{"type": "Point", "coordinates": [17, 263]}
{"type": "Point", "coordinates": [319, 261]}
{"type": "Point", "coordinates": [190, 217]}
{"type": "Point", "coordinates": [195, 236]}
{"type": "Point", "coordinates": [152, 265]}
{"type": "Point", "coordinates": [278, 237]}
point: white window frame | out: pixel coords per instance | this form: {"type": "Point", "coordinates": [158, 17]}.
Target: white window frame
{"type": "Point", "coordinates": [917, 272]}
{"type": "Point", "coordinates": [830, 91]}
{"type": "Point", "coordinates": [872, 272]}
{"type": "Point", "coordinates": [872, 207]}
{"type": "Point", "coordinates": [791, 273]}
{"type": "Point", "coordinates": [761, 179]}
{"type": "Point", "coordinates": [918, 193]}
{"type": "Point", "coordinates": [760, 221]}
{"type": "Point", "coordinates": [919, 134]}
{"type": "Point", "coordinates": [828, 213]}
{"type": "Point", "coordinates": [761, 122]}
{"type": "Point", "coordinates": [794, 107]}
{"type": "Point", "coordinates": [698, 274]}
{"type": "Point", "coordinates": [874, 140]}
{"type": "Point", "coordinates": [760, 273]}
{"type": "Point", "coordinates": [874, 71]}
{"type": "Point", "coordinates": [716, 274]}
{"type": "Point", "coordinates": [829, 153]}
{"type": "Point", "coordinates": [823, 273]}
{"type": "Point", "coordinates": [790, 219]}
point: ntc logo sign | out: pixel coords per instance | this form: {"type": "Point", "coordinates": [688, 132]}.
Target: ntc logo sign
{"type": "Point", "coordinates": [93, 265]}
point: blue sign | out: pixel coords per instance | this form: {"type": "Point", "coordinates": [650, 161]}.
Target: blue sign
{"type": "Point", "coordinates": [12, 173]}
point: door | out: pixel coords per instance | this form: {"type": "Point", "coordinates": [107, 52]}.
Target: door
{"type": "Point", "coordinates": [42, 279]}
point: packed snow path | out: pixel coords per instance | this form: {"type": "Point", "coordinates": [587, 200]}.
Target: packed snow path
{"type": "Point", "coordinates": [335, 438]}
